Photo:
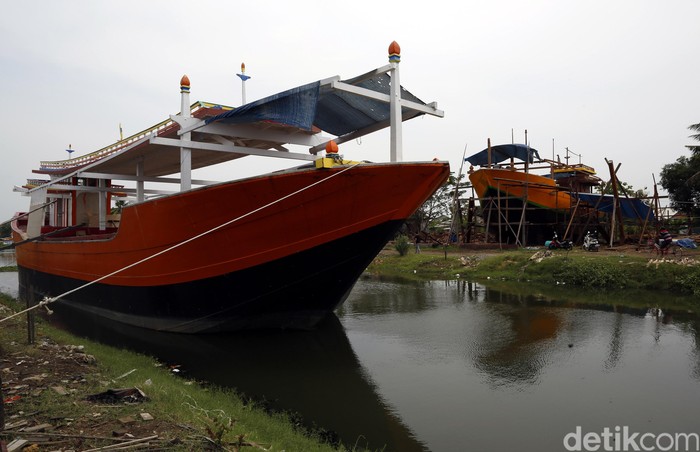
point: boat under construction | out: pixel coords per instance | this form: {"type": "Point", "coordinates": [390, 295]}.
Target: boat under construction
{"type": "Point", "coordinates": [525, 199]}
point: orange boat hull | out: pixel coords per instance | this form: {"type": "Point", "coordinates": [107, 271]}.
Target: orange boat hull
{"type": "Point", "coordinates": [539, 191]}
{"type": "Point", "coordinates": [503, 192]}
{"type": "Point", "coordinates": [277, 250]}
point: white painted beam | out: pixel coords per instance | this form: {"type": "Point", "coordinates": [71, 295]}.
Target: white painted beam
{"type": "Point", "coordinates": [233, 149]}
{"type": "Point", "coordinates": [237, 131]}
{"type": "Point", "coordinates": [430, 109]}
{"type": "Point", "coordinates": [130, 177]}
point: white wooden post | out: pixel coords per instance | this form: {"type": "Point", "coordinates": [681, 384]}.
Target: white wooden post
{"type": "Point", "coordinates": [36, 218]}
{"type": "Point", "coordinates": [139, 183]}
{"type": "Point", "coordinates": [243, 79]}
{"type": "Point", "coordinates": [395, 119]}
{"type": "Point", "coordinates": [102, 204]}
{"type": "Point", "coordinates": [185, 138]}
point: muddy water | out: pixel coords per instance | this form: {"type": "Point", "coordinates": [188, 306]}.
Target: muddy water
{"type": "Point", "coordinates": [468, 368]}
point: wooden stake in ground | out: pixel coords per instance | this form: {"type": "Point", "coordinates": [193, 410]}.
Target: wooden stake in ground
{"type": "Point", "coordinates": [2, 407]}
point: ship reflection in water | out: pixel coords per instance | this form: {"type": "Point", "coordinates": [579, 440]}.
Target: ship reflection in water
{"type": "Point", "coordinates": [446, 366]}
{"type": "Point", "coordinates": [473, 368]}
{"type": "Point", "coordinates": [315, 373]}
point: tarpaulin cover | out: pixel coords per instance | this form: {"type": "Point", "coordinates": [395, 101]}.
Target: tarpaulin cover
{"type": "Point", "coordinates": [630, 208]}
{"type": "Point", "coordinates": [503, 152]}
{"type": "Point", "coordinates": [295, 107]}
{"type": "Point", "coordinates": [334, 111]}
{"type": "Point", "coordinates": [686, 243]}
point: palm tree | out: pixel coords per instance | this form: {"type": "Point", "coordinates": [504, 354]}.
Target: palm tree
{"type": "Point", "coordinates": [682, 178]}
{"type": "Point", "coordinates": [695, 150]}
{"type": "Point", "coordinates": [696, 128]}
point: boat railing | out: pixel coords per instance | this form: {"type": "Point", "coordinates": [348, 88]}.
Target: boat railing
{"type": "Point", "coordinates": [104, 152]}
{"type": "Point", "coordinates": [80, 232]}
{"type": "Point", "coordinates": [578, 167]}
{"type": "Point", "coordinates": [158, 129]}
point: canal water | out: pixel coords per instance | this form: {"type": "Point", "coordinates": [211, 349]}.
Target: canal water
{"type": "Point", "coordinates": [7, 258]}
{"type": "Point", "coordinates": [449, 366]}
{"type": "Point", "coordinates": [8, 281]}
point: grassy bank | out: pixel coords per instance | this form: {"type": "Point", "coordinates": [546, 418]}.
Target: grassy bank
{"type": "Point", "coordinates": [626, 271]}
{"type": "Point", "coordinates": [49, 382]}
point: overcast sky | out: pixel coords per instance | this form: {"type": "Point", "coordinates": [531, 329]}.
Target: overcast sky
{"type": "Point", "coordinates": [614, 79]}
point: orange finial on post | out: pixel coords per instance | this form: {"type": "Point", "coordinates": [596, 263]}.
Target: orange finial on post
{"type": "Point", "coordinates": [394, 52]}
{"type": "Point", "coordinates": [184, 84]}
{"type": "Point", "coordinates": [331, 147]}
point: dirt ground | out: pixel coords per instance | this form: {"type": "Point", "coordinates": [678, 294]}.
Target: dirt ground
{"type": "Point", "coordinates": [109, 419]}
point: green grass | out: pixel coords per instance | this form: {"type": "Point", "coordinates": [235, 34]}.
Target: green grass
{"type": "Point", "coordinates": [208, 410]}
{"type": "Point", "coordinates": [421, 266]}
{"type": "Point", "coordinates": [632, 277]}
{"type": "Point", "coordinates": [608, 271]}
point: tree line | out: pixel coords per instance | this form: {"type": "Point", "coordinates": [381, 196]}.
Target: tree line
{"type": "Point", "coordinates": [681, 179]}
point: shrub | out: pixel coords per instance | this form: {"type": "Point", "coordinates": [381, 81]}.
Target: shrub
{"type": "Point", "coordinates": [402, 245]}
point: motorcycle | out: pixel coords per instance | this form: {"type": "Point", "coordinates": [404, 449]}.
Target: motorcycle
{"type": "Point", "coordinates": [590, 241]}
{"type": "Point", "coordinates": [556, 244]}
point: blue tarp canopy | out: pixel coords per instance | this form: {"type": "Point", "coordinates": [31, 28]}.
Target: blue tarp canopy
{"type": "Point", "coordinates": [630, 207]}
{"type": "Point", "coordinates": [334, 111]}
{"type": "Point", "coordinates": [503, 152]}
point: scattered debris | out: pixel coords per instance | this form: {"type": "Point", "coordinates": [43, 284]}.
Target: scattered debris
{"type": "Point", "coordinates": [60, 390]}
{"type": "Point", "coordinates": [685, 261]}
{"type": "Point", "coordinates": [17, 444]}
{"type": "Point", "coordinates": [114, 396]}
{"type": "Point", "coordinates": [38, 428]}
{"type": "Point", "coordinates": [125, 444]}
{"type": "Point", "coordinates": [126, 420]}
{"type": "Point", "coordinates": [125, 375]}
{"type": "Point", "coordinates": [46, 368]}
{"type": "Point", "coordinates": [469, 261]}
{"type": "Point", "coordinates": [12, 399]}
{"type": "Point", "coordinates": [16, 425]}
{"type": "Point", "coordinates": [541, 255]}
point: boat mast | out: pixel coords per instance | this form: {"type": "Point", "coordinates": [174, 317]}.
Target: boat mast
{"type": "Point", "coordinates": [243, 79]}
{"type": "Point", "coordinates": [396, 152]}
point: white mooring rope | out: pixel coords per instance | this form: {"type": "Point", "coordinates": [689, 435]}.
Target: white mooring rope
{"type": "Point", "coordinates": [48, 300]}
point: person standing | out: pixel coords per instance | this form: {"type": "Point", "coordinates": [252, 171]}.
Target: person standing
{"type": "Point", "coordinates": [665, 241]}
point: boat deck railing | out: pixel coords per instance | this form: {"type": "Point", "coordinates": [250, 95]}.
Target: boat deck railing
{"type": "Point", "coordinates": [163, 127]}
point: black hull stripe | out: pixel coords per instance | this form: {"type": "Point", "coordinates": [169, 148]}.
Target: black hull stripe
{"type": "Point", "coordinates": [294, 292]}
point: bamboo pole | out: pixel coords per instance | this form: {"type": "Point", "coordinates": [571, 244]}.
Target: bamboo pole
{"type": "Point", "coordinates": [498, 208]}
{"type": "Point", "coordinates": [571, 220]}
{"type": "Point", "coordinates": [488, 220]}
{"type": "Point", "coordinates": [2, 407]}
{"type": "Point", "coordinates": [617, 214]}
{"type": "Point", "coordinates": [470, 219]}
{"type": "Point", "coordinates": [644, 228]}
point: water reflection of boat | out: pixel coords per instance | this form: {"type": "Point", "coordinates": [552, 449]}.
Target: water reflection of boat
{"type": "Point", "coordinates": [522, 347]}
{"type": "Point", "coordinates": [315, 373]}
